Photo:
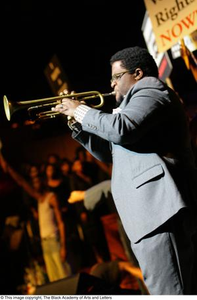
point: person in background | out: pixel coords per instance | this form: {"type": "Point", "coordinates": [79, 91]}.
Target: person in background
{"type": "Point", "coordinates": [99, 201]}
{"type": "Point", "coordinates": [122, 276]}
{"type": "Point", "coordinates": [53, 159]}
{"type": "Point", "coordinates": [69, 215]}
{"type": "Point", "coordinates": [56, 184]}
{"type": "Point", "coordinates": [98, 171]}
{"type": "Point", "coordinates": [88, 225]}
{"type": "Point", "coordinates": [51, 226]}
{"type": "Point", "coordinates": [65, 168]}
{"type": "Point", "coordinates": [146, 138]}
{"type": "Point", "coordinates": [79, 180]}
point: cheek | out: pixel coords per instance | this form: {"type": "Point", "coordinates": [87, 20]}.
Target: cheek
{"type": "Point", "coordinates": [123, 88]}
{"type": "Point", "coordinates": [126, 86]}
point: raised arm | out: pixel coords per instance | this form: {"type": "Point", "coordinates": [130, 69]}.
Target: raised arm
{"type": "Point", "coordinates": [20, 180]}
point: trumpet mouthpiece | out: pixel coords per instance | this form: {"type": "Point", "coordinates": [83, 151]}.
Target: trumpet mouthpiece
{"type": "Point", "coordinates": [109, 94]}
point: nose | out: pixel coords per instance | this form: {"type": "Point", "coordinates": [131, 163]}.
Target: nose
{"type": "Point", "coordinates": [113, 83]}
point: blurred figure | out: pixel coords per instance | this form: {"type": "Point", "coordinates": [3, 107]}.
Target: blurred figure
{"type": "Point", "coordinates": [65, 168]}
{"type": "Point", "coordinates": [121, 276]}
{"type": "Point", "coordinates": [69, 214]}
{"type": "Point", "coordinates": [79, 180]}
{"type": "Point", "coordinates": [55, 183]}
{"type": "Point", "coordinates": [53, 158]}
{"type": "Point", "coordinates": [14, 250]}
{"type": "Point", "coordinates": [98, 200]}
{"type": "Point", "coordinates": [34, 171]}
{"type": "Point", "coordinates": [97, 170]}
{"type": "Point", "coordinates": [89, 227]}
{"type": "Point", "coordinates": [51, 226]}
{"type": "Point", "coordinates": [121, 271]}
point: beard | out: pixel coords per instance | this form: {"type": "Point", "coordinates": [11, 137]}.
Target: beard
{"type": "Point", "coordinates": [119, 101]}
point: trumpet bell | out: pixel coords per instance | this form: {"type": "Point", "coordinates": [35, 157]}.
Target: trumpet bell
{"type": "Point", "coordinates": [11, 107]}
{"type": "Point", "coordinates": [7, 107]}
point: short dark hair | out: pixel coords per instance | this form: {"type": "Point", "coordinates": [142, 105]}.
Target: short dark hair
{"type": "Point", "coordinates": [136, 57]}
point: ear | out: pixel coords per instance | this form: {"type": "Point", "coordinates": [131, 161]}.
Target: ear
{"type": "Point", "coordinates": [138, 74]}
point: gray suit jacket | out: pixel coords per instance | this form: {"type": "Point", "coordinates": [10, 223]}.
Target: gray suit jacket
{"type": "Point", "coordinates": [148, 143]}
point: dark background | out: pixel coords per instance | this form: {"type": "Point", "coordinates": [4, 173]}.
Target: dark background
{"type": "Point", "coordinates": [82, 36]}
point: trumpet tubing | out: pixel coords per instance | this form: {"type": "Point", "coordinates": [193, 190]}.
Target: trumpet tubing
{"type": "Point", "coordinates": [38, 104]}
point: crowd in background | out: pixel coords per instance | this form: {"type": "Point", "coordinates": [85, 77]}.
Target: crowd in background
{"type": "Point", "coordinates": [84, 236]}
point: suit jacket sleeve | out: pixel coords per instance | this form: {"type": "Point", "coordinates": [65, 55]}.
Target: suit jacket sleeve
{"type": "Point", "coordinates": [97, 146]}
{"type": "Point", "coordinates": [140, 112]}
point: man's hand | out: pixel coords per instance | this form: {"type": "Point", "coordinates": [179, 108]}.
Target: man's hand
{"type": "Point", "coordinates": [67, 107]}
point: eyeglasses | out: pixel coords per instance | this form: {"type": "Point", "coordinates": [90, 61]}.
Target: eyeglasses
{"type": "Point", "coordinates": [117, 76]}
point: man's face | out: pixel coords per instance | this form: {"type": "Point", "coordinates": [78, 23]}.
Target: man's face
{"type": "Point", "coordinates": [121, 81]}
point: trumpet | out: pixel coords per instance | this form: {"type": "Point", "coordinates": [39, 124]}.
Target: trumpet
{"type": "Point", "coordinates": [33, 106]}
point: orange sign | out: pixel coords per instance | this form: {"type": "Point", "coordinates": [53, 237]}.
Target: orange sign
{"type": "Point", "coordinates": [171, 20]}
